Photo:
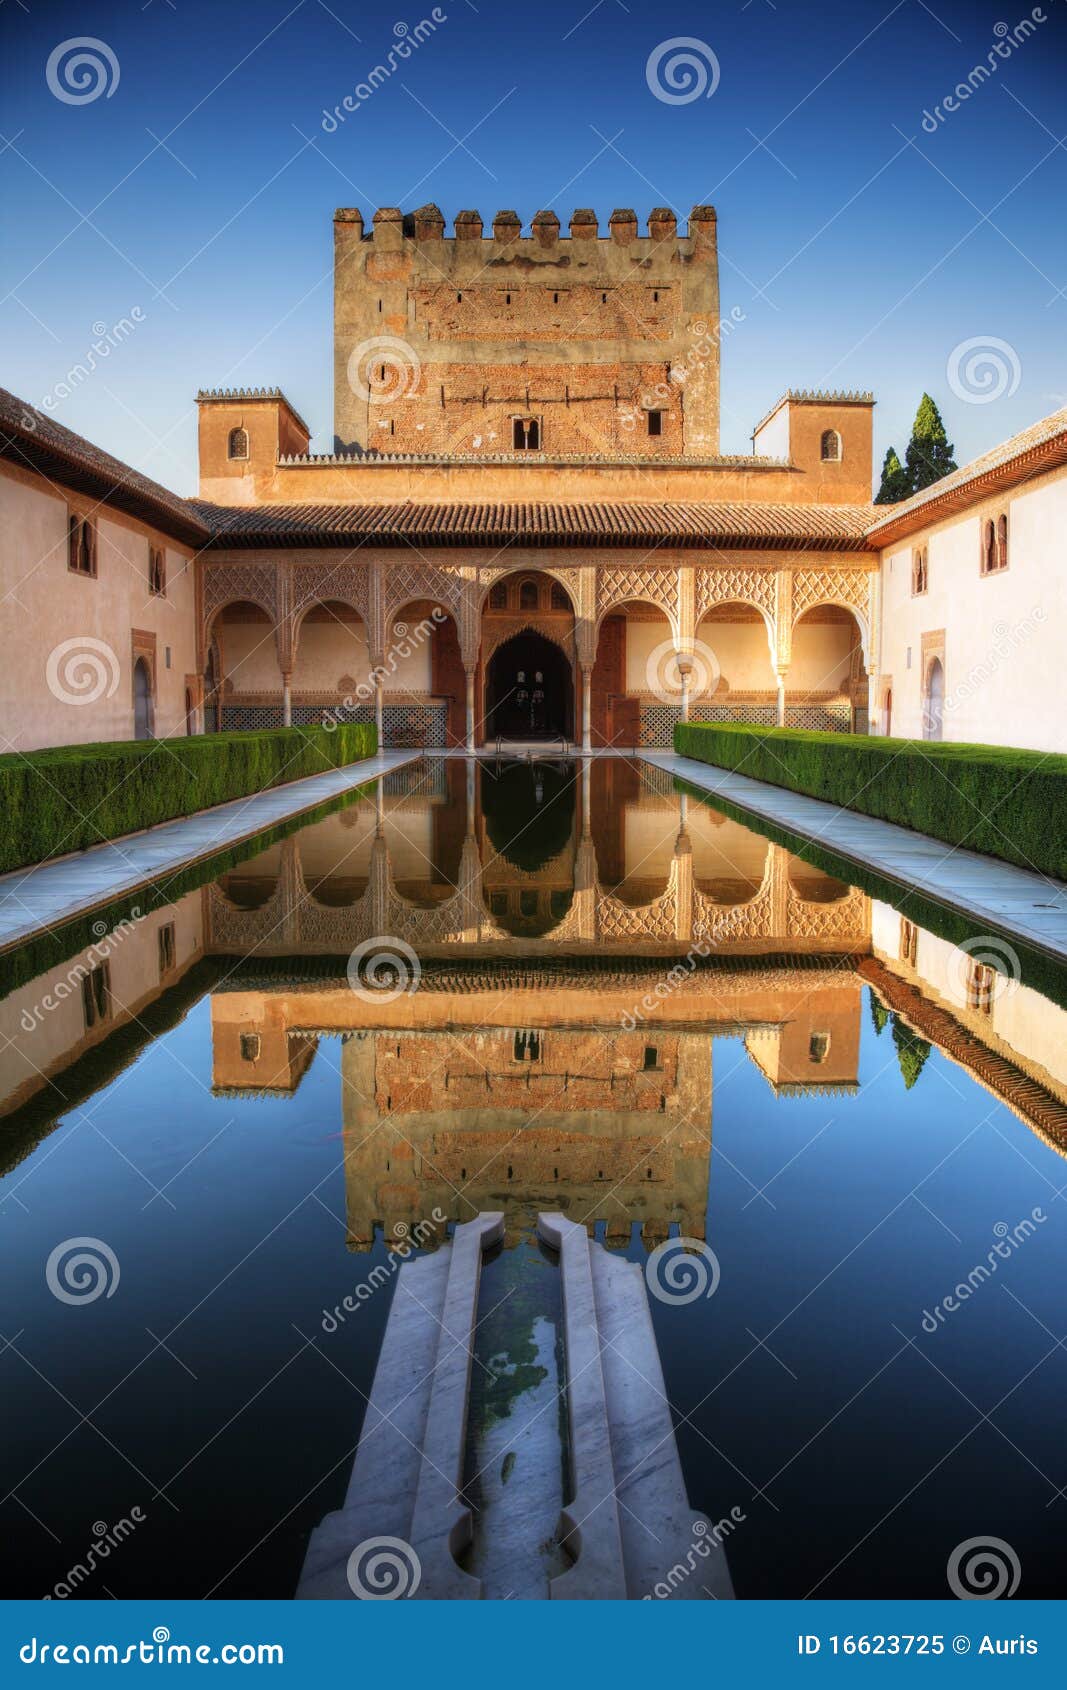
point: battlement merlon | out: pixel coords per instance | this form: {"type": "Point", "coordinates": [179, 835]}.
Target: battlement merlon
{"type": "Point", "coordinates": [390, 228]}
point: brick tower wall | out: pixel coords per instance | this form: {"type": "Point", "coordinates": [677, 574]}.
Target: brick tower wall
{"type": "Point", "coordinates": [440, 344]}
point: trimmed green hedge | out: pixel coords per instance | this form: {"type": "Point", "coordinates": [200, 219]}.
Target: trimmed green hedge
{"type": "Point", "coordinates": [74, 796]}
{"type": "Point", "coordinates": [1004, 802]}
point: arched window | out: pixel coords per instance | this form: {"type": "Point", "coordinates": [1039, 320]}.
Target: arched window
{"type": "Point", "coordinates": [238, 443]}
{"type": "Point", "coordinates": [989, 548]}
{"type": "Point", "coordinates": [157, 572]}
{"type": "Point", "coordinates": [528, 598]}
{"type": "Point", "coordinates": [1002, 542]}
{"type": "Point", "coordinates": [498, 596]}
{"type": "Point", "coordinates": [919, 575]}
{"type": "Point", "coordinates": [560, 601]}
{"type": "Point", "coordinates": [831, 447]}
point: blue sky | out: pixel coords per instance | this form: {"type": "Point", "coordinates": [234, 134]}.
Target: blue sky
{"type": "Point", "coordinates": [862, 248]}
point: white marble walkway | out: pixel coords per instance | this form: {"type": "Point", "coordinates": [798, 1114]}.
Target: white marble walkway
{"type": "Point", "coordinates": [1017, 902]}
{"type": "Point", "coordinates": [46, 895]}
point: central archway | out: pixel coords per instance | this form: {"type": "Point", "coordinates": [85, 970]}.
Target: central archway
{"type": "Point", "coordinates": [529, 689]}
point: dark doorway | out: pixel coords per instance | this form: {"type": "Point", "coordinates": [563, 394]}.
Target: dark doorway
{"type": "Point", "coordinates": [529, 691]}
{"type": "Point", "coordinates": [143, 712]}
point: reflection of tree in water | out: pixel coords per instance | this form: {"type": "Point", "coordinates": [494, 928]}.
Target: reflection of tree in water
{"type": "Point", "coordinates": [529, 811]}
{"type": "Point", "coordinates": [879, 1012]}
{"type": "Point", "coordinates": [912, 1051]}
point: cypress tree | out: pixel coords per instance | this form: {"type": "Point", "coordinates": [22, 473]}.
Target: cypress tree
{"type": "Point", "coordinates": [929, 454]}
{"type": "Point", "coordinates": [879, 1013]}
{"type": "Point", "coordinates": [895, 485]}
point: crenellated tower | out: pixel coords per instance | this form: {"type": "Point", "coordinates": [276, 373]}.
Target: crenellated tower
{"type": "Point", "coordinates": [495, 343]}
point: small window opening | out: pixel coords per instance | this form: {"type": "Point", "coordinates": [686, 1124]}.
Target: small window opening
{"type": "Point", "coordinates": [250, 1046]}
{"type": "Point", "coordinates": [525, 434]}
{"type": "Point", "coordinates": [96, 995]}
{"type": "Point", "coordinates": [655, 422]}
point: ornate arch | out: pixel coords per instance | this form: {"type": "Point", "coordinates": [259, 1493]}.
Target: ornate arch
{"type": "Point", "coordinates": [489, 578]}
{"type": "Point", "coordinates": [521, 623]}
{"type": "Point", "coordinates": [765, 613]}
{"type": "Point", "coordinates": [848, 589]}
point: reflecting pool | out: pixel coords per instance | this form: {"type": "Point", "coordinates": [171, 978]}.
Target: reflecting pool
{"type": "Point", "coordinates": [530, 986]}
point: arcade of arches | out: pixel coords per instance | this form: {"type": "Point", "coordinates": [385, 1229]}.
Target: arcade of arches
{"type": "Point", "coordinates": [476, 654]}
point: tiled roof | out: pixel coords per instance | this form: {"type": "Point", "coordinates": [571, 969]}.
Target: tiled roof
{"type": "Point", "coordinates": [792, 527]}
{"type": "Point", "coordinates": [1040, 447]}
{"type": "Point", "coordinates": [32, 439]}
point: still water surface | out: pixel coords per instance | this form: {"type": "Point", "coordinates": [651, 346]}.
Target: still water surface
{"type": "Point", "coordinates": [631, 1008]}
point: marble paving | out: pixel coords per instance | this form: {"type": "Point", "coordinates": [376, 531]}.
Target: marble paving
{"type": "Point", "coordinates": [45, 895]}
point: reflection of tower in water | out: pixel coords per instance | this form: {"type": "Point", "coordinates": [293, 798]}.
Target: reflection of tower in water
{"type": "Point", "coordinates": [605, 1127]}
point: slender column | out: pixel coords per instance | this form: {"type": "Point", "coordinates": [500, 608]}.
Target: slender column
{"type": "Point", "coordinates": [684, 672]}
{"type": "Point", "coordinates": [378, 716]}
{"type": "Point", "coordinates": [780, 678]}
{"type": "Point", "coordinates": [874, 722]}
{"type": "Point", "coordinates": [587, 712]}
{"type": "Point", "coordinates": [287, 701]}
{"type": "Point", "coordinates": [468, 676]}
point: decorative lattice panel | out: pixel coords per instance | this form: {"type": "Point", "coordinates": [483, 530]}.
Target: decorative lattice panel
{"type": "Point", "coordinates": [616, 585]}
{"type": "Point", "coordinates": [226, 583]}
{"type": "Point", "coordinates": [427, 779]}
{"type": "Point", "coordinates": [656, 725]}
{"type": "Point", "coordinates": [757, 715]}
{"type": "Point", "coordinates": [407, 581]}
{"type": "Point", "coordinates": [734, 586]}
{"type": "Point", "coordinates": [319, 583]}
{"type": "Point", "coordinates": [249, 717]}
{"type": "Point", "coordinates": [851, 587]}
{"type": "Point", "coordinates": [415, 724]}
{"type": "Point", "coordinates": [823, 718]}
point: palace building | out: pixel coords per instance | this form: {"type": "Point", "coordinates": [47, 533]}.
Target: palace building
{"type": "Point", "coordinates": [527, 529]}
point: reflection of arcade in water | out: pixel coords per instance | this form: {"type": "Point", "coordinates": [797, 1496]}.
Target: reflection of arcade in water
{"type": "Point", "coordinates": [607, 859]}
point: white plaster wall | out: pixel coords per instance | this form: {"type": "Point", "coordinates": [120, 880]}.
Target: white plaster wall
{"type": "Point", "coordinates": [742, 651]}
{"type": "Point", "coordinates": [1003, 632]}
{"type": "Point", "coordinates": [1026, 1021]}
{"type": "Point", "coordinates": [772, 441]}
{"type": "Point", "coordinates": [42, 1024]}
{"type": "Point", "coordinates": [642, 638]}
{"type": "Point", "coordinates": [327, 652]}
{"type": "Point", "coordinates": [821, 656]}
{"type": "Point", "coordinates": [46, 605]}
{"type": "Point", "coordinates": [249, 656]}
